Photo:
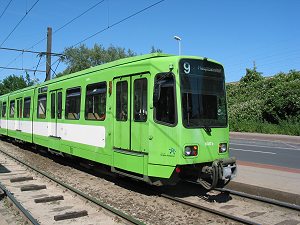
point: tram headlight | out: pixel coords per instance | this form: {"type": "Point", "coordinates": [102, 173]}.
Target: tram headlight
{"type": "Point", "coordinates": [191, 150]}
{"type": "Point", "coordinates": [187, 151]}
{"type": "Point", "coordinates": [222, 147]}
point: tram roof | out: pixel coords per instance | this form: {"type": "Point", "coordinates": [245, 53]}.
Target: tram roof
{"type": "Point", "coordinates": [112, 64]}
{"type": "Point", "coordinates": [109, 65]}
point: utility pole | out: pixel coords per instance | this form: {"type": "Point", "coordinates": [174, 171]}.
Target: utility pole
{"type": "Point", "coordinates": [48, 54]}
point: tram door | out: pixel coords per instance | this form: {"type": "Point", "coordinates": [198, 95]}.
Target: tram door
{"type": "Point", "coordinates": [55, 112]}
{"type": "Point", "coordinates": [131, 113]}
{"type": "Point", "coordinates": [122, 113]}
{"type": "Point", "coordinates": [139, 116]}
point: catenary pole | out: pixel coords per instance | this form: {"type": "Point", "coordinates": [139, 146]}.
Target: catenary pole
{"type": "Point", "coordinates": [48, 54]}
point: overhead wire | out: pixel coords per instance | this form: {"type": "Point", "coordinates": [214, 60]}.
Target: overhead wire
{"type": "Point", "coordinates": [262, 65]}
{"type": "Point", "coordinates": [59, 29]}
{"type": "Point", "coordinates": [118, 22]}
{"type": "Point", "coordinates": [50, 66]}
{"type": "Point", "coordinates": [69, 22]}
{"type": "Point", "coordinates": [266, 60]}
{"type": "Point", "coordinates": [59, 61]}
{"type": "Point", "coordinates": [16, 68]}
{"type": "Point", "coordinates": [28, 51]}
{"type": "Point", "coordinates": [37, 65]}
{"type": "Point", "coordinates": [114, 24]}
{"type": "Point", "coordinates": [262, 57]}
{"type": "Point", "coordinates": [101, 31]}
{"type": "Point", "coordinates": [27, 12]}
{"type": "Point", "coordinates": [75, 18]}
{"type": "Point", "coordinates": [5, 8]}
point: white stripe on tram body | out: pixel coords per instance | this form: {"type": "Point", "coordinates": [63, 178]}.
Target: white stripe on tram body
{"type": "Point", "coordinates": [3, 124]}
{"type": "Point", "coordinates": [83, 134]}
{"type": "Point", "coordinates": [26, 127]}
{"type": "Point", "coordinates": [11, 124]}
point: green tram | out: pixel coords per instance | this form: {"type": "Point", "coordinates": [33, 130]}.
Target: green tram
{"type": "Point", "coordinates": [158, 118]}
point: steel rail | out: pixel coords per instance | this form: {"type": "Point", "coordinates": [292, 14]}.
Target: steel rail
{"type": "Point", "coordinates": [255, 197]}
{"type": "Point", "coordinates": [260, 198]}
{"type": "Point", "coordinates": [216, 212]}
{"type": "Point", "coordinates": [94, 200]}
{"type": "Point", "coordinates": [18, 205]}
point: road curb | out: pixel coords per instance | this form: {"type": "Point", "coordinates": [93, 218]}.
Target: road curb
{"type": "Point", "coordinates": [265, 192]}
{"type": "Point", "coordinates": [268, 166]}
{"type": "Point", "coordinates": [267, 137]}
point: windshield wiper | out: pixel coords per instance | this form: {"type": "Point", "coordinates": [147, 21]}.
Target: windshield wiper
{"type": "Point", "coordinates": [207, 129]}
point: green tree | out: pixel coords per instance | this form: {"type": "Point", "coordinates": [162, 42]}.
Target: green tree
{"type": "Point", "coordinates": [13, 83]}
{"type": "Point", "coordinates": [251, 76]}
{"type": "Point", "coordinates": [29, 81]}
{"type": "Point", "coordinates": [155, 50]}
{"type": "Point", "coordinates": [82, 57]}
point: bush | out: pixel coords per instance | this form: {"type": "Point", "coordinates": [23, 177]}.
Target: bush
{"type": "Point", "coordinates": [288, 127]}
{"type": "Point", "coordinates": [265, 105]}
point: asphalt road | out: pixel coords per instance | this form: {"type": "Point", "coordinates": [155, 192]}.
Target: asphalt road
{"type": "Point", "coordinates": [272, 152]}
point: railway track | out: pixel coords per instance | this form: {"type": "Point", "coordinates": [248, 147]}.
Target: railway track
{"type": "Point", "coordinates": [227, 207]}
{"type": "Point", "coordinates": [210, 210]}
{"type": "Point", "coordinates": [237, 206]}
{"type": "Point", "coordinates": [42, 199]}
{"type": "Point", "coordinates": [260, 198]}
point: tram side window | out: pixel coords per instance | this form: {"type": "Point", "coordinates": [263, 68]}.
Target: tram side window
{"type": "Point", "coordinates": [12, 109]}
{"type": "Point", "coordinates": [140, 100]}
{"type": "Point", "coordinates": [4, 109]}
{"type": "Point", "coordinates": [95, 102]}
{"type": "Point", "coordinates": [73, 104]}
{"type": "Point", "coordinates": [122, 101]}
{"type": "Point", "coordinates": [42, 106]}
{"type": "Point", "coordinates": [26, 110]}
{"type": "Point", "coordinates": [164, 99]}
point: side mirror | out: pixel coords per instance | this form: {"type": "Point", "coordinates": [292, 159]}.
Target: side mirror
{"type": "Point", "coordinates": [156, 95]}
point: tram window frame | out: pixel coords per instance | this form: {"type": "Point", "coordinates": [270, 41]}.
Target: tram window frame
{"type": "Point", "coordinates": [59, 105]}
{"type": "Point", "coordinates": [157, 77]}
{"type": "Point", "coordinates": [52, 106]}
{"type": "Point", "coordinates": [12, 105]}
{"type": "Point", "coordinates": [98, 115]}
{"type": "Point", "coordinates": [121, 114]}
{"type": "Point", "coordinates": [3, 113]}
{"type": "Point", "coordinates": [19, 108]}
{"type": "Point", "coordinates": [70, 100]}
{"type": "Point", "coordinates": [42, 102]}
{"type": "Point", "coordinates": [26, 109]}
{"type": "Point", "coordinates": [140, 114]}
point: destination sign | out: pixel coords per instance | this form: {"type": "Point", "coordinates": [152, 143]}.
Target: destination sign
{"type": "Point", "coordinates": [196, 66]}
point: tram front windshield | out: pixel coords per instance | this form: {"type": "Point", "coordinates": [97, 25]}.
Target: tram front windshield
{"type": "Point", "coordinates": [203, 96]}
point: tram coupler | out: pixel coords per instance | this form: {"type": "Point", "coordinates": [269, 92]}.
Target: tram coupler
{"type": "Point", "coordinates": [229, 169]}
{"type": "Point", "coordinates": [220, 172]}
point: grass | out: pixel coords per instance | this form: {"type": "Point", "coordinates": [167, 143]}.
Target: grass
{"type": "Point", "coordinates": [287, 127]}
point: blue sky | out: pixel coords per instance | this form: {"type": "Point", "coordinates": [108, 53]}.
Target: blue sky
{"type": "Point", "coordinates": [233, 32]}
